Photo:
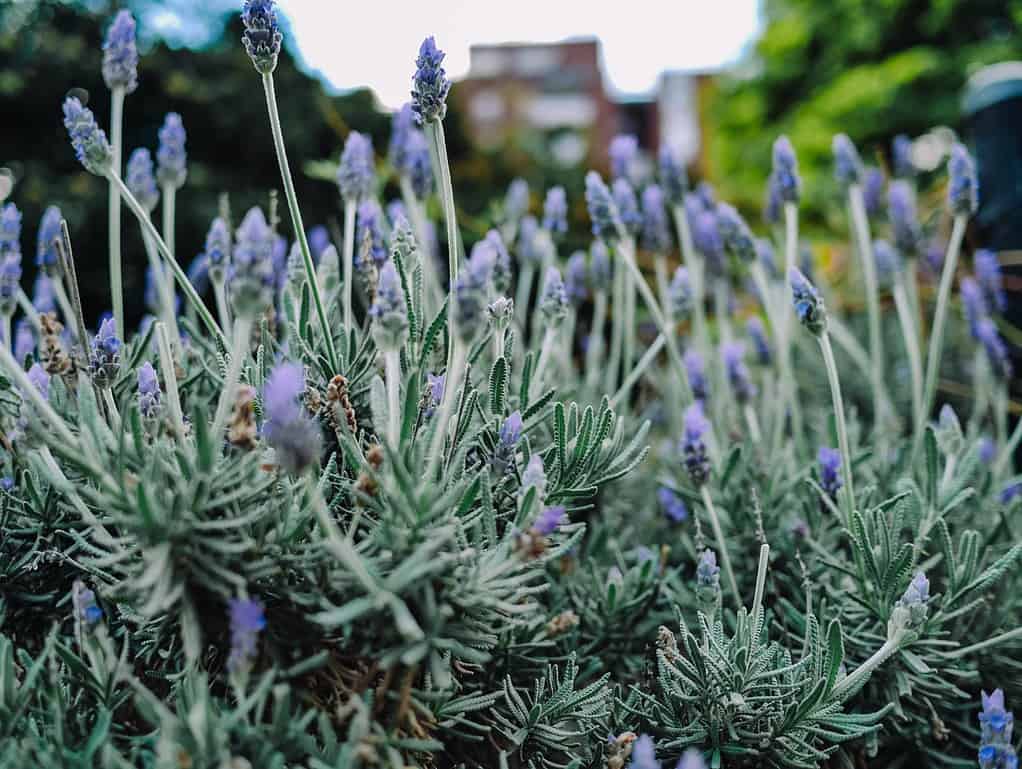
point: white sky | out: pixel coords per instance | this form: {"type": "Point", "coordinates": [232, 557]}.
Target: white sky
{"type": "Point", "coordinates": [374, 42]}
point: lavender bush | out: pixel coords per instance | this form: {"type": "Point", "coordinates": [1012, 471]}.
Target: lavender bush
{"type": "Point", "coordinates": [367, 514]}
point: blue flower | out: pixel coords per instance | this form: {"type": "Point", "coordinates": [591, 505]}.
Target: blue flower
{"type": "Point", "coordinates": [627, 205]}
{"type": "Point", "coordinates": [471, 291]}
{"type": "Point", "coordinates": [105, 361]}
{"type": "Point", "coordinates": [434, 393]}
{"type": "Point", "coordinates": [576, 281]}
{"type": "Point", "coordinates": [402, 128]}
{"type": "Point", "coordinates": [553, 299]}
{"type": "Point", "coordinates": [293, 435]}
{"type": "Point", "coordinates": [120, 54]}
{"type": "Point", "coordinates": [672, 505]}
{"type": "Point", "coordinates": [996, 750]}
{"type": "Point", "coordinates": [901, 157]}
{"type": "Point", "coordinates": [47, 253]}
{"type": "Point", "coordinates": [198, 273]}
{"type": "Point", "coordinates": [356, 174]}
{"type": "Point", "coordinates": [87, 138]}
{"type": "Point", "coordinates": [756, 331]}
{"type": "Point", "coordinates": [430, 85]}
{"type": "Point", "coordinates": [695, 367]}
{"type": "Point", "coordinates": [419, 166]}
{"type": "Point", "coordinates": [735, 233]}
{"type": "Point", "coordinates": [673, 177]}
{"type": "Point", "coordinates": [830, 470]}
{"type": "Point", "coordinates": [247, 622]}
{"type": "Point", "coordinates": [389, 311]}
{"type": "Point", "coordinates": [847, 164]}
{"type": "Point", "coordinates": [369, 235]}
{"type": "Point", "coordinates": [733, 354]}
{"type": "Point", "coordinates": [516, 200]}
{"type": "Point", "coordinates": [149, 395]}
{"type": "Point", "coordinates": [527, 246]}
{"type": "Point", "coordinates": [624, 149]}
{"type": "Point", "coordinates": [901, 209]}
{"type": "Point", "coordinates": [507, 443]}
{"type": "Point", "coordinates": [707, 570]}
{"type": "Point", "coordinates": [501, 261]}
{"type": "Point", "coordinates": [252, 275]}
{"type": "Point", "coordinates": [1010, 492]}
{"type": "Point", "coordinates": [808, 304]}
{"type": "Point", "coordinates": [87, 611]}
{"type": "Point", "coordinates": [679, 292]}
{"type": "Point", "coordinates": [888, 261]}
{"type": "Point", "coordinates": [555, 211]}
{"type": "Point", "coordinates": [911, 609]}
{"type": "Point", "coordinates": [262, 37]}
{"type": "Point", "coordinates": [218, 248]}
{"type": "Point", "coordinates": [706, 234]}
{"type": "Point", "coordinates": [549, 520]}
{"type": "Point", "coordinates": [962, 189]}
{"type": "Point", "coordinates": [988, 273]}
{"type": "Point", "coordinates": [171, 159]}
{"type": "Point", "coordinates": [987, 450]}
{"type": "Point", "coordinates": [43, 298]}
{"type": "Point", "coordinates": [644, 754]}
{"type": "Point", "coordinates": [693, 444]}
{"type": "Point", "coordinates": [656, 232]}
{"type": "Point", "coordinates": [691, 759]}
{"type": "Point", "coordinates": [600, 270]}
{"type": "Point", "coordinates": [997, 352]}
{"type": "Point", "coordinates": [602, 209]}
{"type": "Point", "coordinates": [784, 178]}
{"type": "Point", "coordinates": [140, 179]}
{"type": "Point", "coordinates": [973, 303]}
{"type": "Point", "coordinates": [873, 190]}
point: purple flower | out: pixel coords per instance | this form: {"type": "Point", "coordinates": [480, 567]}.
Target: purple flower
{"type": "Point", "coordinates": [707, 239]}
{"type": "Point", "coordinates": [40, 380]}
{"type": "Point", "coordinates": [986, 449]}
{"type": "Point", "coordinates": [693, 445]}
{"type": "Point", "coordinates": [549, 520]}
{"type": "Point", "coordinates": [644, 754]}
{"type": "Point", "coordinates": [996, 750]}
{"type": "Point", "coordinates": [756, 331]}
{"type": "Point", "coordinates": [766, 256]}
{"type": "Point", "coordinates": [624, 149]}
{"type": "Point", "coordinates": [24, 340]}
{"type": "Point", "coordinates": [901, 157]}
{"type": "Point", "coordinates": [1010, 492]}
{"type": "Point", "coordinates": [847, 165]}
{"type": "Point", "coordinates": [120, 55]}
{"type": "Point", "coordinates": [672, 505]}
{"type": "Point", "coordinates": [198, 273]}
{"type": "Point", "coordinates": [43, 298]}
{"type": "Point", "coordinates": [105, 361]}
{"type": "Point", "coordinates": [918, 591]}
{"type": "Point", "coordinates": [696, 369]}
{"type": "Point", "coordinates": [389, 311]}
{"type": "Point", "coordinates": [516, 200]}
{"type": "Point", "coordinates": [262, 37]}
{"type": "Point", "coordinates": [140, 179]}
{"type": "Point", "coordinates": [656, 232]}
{"type": "Point", "coordinates": [252, 275]}
{"type": "Point", "coordinates": [691, 759]}
{"type": "Point", "coordinates": [602, 208]}
{"type": "Point", "coordinates": [319, 239]}
{"type": "Point", "coordinates": [86, 609]}
{"type": "Point", "coordinates": [873, 190]}
{"type": "Point", "coordinates": [419, 166]}
{"type": "Point", "coordinates": [149, 395]}
{"type": "Point", "coordinates": [784, 178]}
{"type": "Point", "coordinates": [553, 300]}
{"type": "Point", "coordinates": [534, 477]}
{"type": "Point", "coordinates": [287, 429]}
{"type": "Point", "coordinates": [555, 211]}
{"type": "Point", "coordinates": [47, 253]}
{"type": "Point", "coordinates": [988, 273]}
{"type": "Point", "coordinates": [627, 205]}
{"type": "Point", "coordinates": [733, 354]}
{"type": "Point", "coordinates": [808, 303]}
{"type": "Point", "coordinates": [218, 248]}
{"type": "Point", "coordinates": [973, 303]}
{"type": "Point", "coordinates": [707, 570]}
{"type": "Point", "coordinates": [501, 261]}
{"type": "Point", "coordinates": [434, 393]}
{"type": "Point", "coordinates": [735, 233]}
{"type": "Point", "coordinates": [888, 261]}
{"type": "Point", "coordinates": [576, 278]}
{"type": "Point", "coordinates": [830, 470]}
{"type": "Point", "coordinates": [901, 209]}
{"type": "Point", "coordinates": [679, 291]}
{"type": "Point", "coordinates": [430, 85]}
{"type": "Point", "coordinates": [471, 290]}
{"type": "Point", "coordinates": [600, 270]}
{"type": "Point", "coordinates": [356, 174]}
{"type": "Point", "coordinates": [962, 190]}
{"type": "Point", "coordinates": [673, 177]}
{"type": "Point", "coordinates": [369, 236]}
{"type": "Point", "coordinates": [402, 127]}
{"type": "Point", "coordinates": [87, 138]}
{"type": "Point", "coordinates": [997, 352]}
{"type": "Point", "coordinates": [171, 159]}
{"type": "Point", "coordinates": [507, 443]}
{"type": "Point", "coordinates": [247, 621]}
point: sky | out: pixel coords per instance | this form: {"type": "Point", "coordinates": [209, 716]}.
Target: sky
{"type": "Point", "coordinates": [374, 42]}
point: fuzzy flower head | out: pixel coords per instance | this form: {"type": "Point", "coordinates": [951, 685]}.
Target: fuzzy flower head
{"type": "Point", "coordinates": [501, 261]}
{"type": "Point", "coordinates": [695, 367]}
{"type": "Point", "coordinates": [356, 174]}
{"type": "Point", "coordinates": [507, 443]}
{"type": "Point", "coordinates": [644, 754]}
{"type": "Point", "coordinates": [656, 232]}
{"type": "Point", "coordinates": [47, 250]}
{"type": "Point", "coordinates": [369, 236]}
{"type": "Point", "coordinates": [471, 290]}
{"type": "Point", "coordinates": [141, 180]}
{"type": "Point", "coordinates": [430, 85]}
{"type": "Point", "coordinates": [808, 303]}
{"type": "Point", "coordinates": [87, 610]}
{"type": "Point", "coordinates": [995, 720]}
{"type": "Point", "coordinates": [735, 233]}
{"type": "Point", "coordinates": [672, 506]}
{"type": "Point", "coordinates": [911, 609]}
{"type": "Point", "coordinates": [901, 210]}
{"type": "Point", "coordinates": [433, 394]}
{"type": "Point", "coordinates": [600, 270]}
{"type": "Point", "coordinates": [996, 350]}
{"type": "Point", "coordinates": [43, 298]}
{"type": "Point", "coordinates": [679, 292]}
{"type": "Point", "coordinates": [120, 54]}
{"type": "Point", "coordinates": [901, 157]}
{"type": "Point", "coordinates": [555, 211]}
{"type": "Point", "coordinates": [888, 261]}
{"type": "Point", "coordinates": [516, 200]}
{"type": "Point", "coordinates": [830, 470]}
{"type": "Point", "coordinates": [707, 570]}
{"type": "Point", "coordinates": [602, 208]}
{"type": "Point", "coordinates": [218, 249]}
{"type": "Point", "coordinates": [693, 444]}
{"type": "Point", "coordinates": [10, 281]}
{"type": "Point", "coordinates": [389, 311]}
{"type": "Point", "coordinates": [673, 177]}
{"type": "Point", "coordinates": [974, 303]}
{"type": "Point", "coordinates": [988, 274]}
{"type": "Point", "coordinates": [252, 275]}
{"type": "Point", "coordinates": [627, 205]}
{"type": "Point", "coordinates": [784, 177]}
{"type": "Point", "coordinates": [576, 278]}
{"type": "Point", "coordinates": [733, 355]}
{"type": "Point", "coordinates": [171, 158]}
{"type": "Point", "coordinates": [553, 300]}
{"type": "Point", "coordinates": [706, 235]}
{"type": "Point", "coordinates": [847, 164]}
{"type": "Point", "coordinates": [757, 333]}
{"type": "Point", "coordinates": [549, 519]}
{"type": "Point", "coordinates": [247, 622]}
{"type": "Point", "coordinates": [962, 190]}
{"type": "Point", "coordinates": [691, 759]}
{"type": "Point", "coordinates": [293, 435]}
{"type": "Point", "coordinates": [418, 166]}
{"type": "Point", "coordinates": [526, 240]}
{"type": "Point", "coordinates": [87, 139]}
{"type": "Point", "coordinates": [873, 190]}
{"type": "Point", "coordinates": [105, 362]}
{"type": "Point", "coordinates": [262, 37]}
{"type": "Point", "coordinates": [149, 395]}
{"type": "Point", "coordinates": [534, 477]}
{"type": "Point", "coordinates": [402, 127]}
{"type": "Point", "coordinates": [624, 150]}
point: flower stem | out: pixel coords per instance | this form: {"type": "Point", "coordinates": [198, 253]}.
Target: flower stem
{"type": "Point", "coordinates": [718, 534]}
{"type": "Point", "coordinates": [29, 309]}
{"type": "Point", "coordinates": [594, 351]}
{"type": "Point", "coordinates": [169, 216]}
{"type": "Point", "coordinates": [168, 368]}
{"type": "Point", "coordinates": [936, 347]}
{"type": "Point", "coordinates": [911, 337]}
{"type": "Point", "coordinates": [640, 368]}
{"type": "Point", "coordinates": [787, 316]}
{"type": "Point", "coordinates": [839, 418]}
{"type": "Point", "coordinates": [438, 145]}
{"type": "Point", "coordinates": [850, 683]}
{"type": "Point", "coordinates": [549, 340]}
{"type": "Point", "coordinates": [348, 264]}
{"type": "Point", "coordinates": [628, 340]}
{"type": "Point", "coordinates": [695, 272]}
{"type": "Point", "coordinates": [753, 422]}
{"type": "Point", "coordinates": [228, 394]}
{"type": "Point", "coordinates": [296, 218]}
{"type": "Point", "coordinates": [861, 224]}
{"type": "Point", "coordinates": [111, 406]}
{"type": "Point", "coordinates": [986, 644]}
{"type": "Point", "coordinates": [392, 365]}
{"type": "Point", "coordinates": [114, 208]}
{"type": "Point", "coordinates": [163, 286]}
{"type": "Point", "coordinates": [764, 559]}
{"type": "Point", "coordinates": [182, 279]}
{"type": "Point", "coordinates": [7, 341]}
{"type": "Point", "coordinates": [418, 221]}
{"type": "Point", "coordinates": [443, 414]}
{"type": "Point", "coordinates": [222, 308]}
{"type": "Point", "coordinates": [616, 329]}
{"type": "Point", "coordinates": [65, 304]}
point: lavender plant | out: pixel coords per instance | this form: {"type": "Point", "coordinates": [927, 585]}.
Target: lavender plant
{"type": "Point", "coordinates": [376, 519]}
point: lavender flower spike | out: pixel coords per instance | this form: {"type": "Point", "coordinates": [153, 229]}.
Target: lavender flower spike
{"type": "Point", "coordinates": [252, 275]}
{"type": "Point", "coordinates": [120, 54]}
{"type": "Point", "coordinates": [679, 291]}
{"type": "Point", "coordinates": [140, 179]}
{"type": "Point", "coordinates": [88, 140]}
{"type": "Point", "coordinates": [553, 301]}
{"type": "Point", "coordinates": [389, 311]}
{"type": "Point", "coordinates": [757, 333]}
{"type": "Point", "coordinates": [693, 444]}
{"type": "Point", "coordinates": [672, 505]}
{"type": "Point", "coordinates": [369, 236]}
{"type": "Point", "coordinates": [901, 209]}
{"type": "Point", "coordinates": [516, 200]}
{"type": "Point", "coordinates": [356, 175]}
{"type": "Point", "coordinates": [644, 754]}
{"type": "Point", "coordinates": [507, 443]}
{"type": "Point", "coordinates": [218, 249]}
{"type": "Point", "coordinates": [847, 164]}
{"type": "Point", "coordinates": [830, 470]}
{"type": "Point", "coordinates": [901, 157]}
{"type": "Point", "coordinates": [997, 352]}
{"type": "Point", "coordinates": [873, 190]}
{"type": "Point", "coordinates": [149, 395]}
{"type": "Point", "coordinates": [602, 209]}
{"type": "Point", "coordinates": [555, 211]}
{"type": "Point", "coordinates": [171, 159]}
{"type": "Point", "coordinates": [262, 38]}
{"type": "Point", "coordinates": [10, 258]}
{"type": "Point", "coordinates": [735, 233]}
{"type": "Point", "coordinates": [888, 261]}
{"type": "Point", "coordinates": [962, 190]}
{"type": "Point", "coordinates": [471, 291]}
{"type": "Point", "coordinates": [808, 303]}
{"type": "Point", "coordinates": [293, 435]}
{"type": "Point", "coordinates": [695, 367]}
{"type": "Point", "coordinates": [247, 622]}
{"type": "Point", "coordinates": [733, 354]}
{"type": "Point", "coordinates": [105, 361]}
{"type": "Point", "coordinates": [430, 85]}
{"type": "Point", "coordinates": [673, 177]}
{"type": "Point", "coordinates": [576, 280]}
{"type": "Point", "coordinates": [988, 274]}
{"type": "Point", "coordinates": [656, 232]}
{"type": "Point", "coordinates": [549, 520]}
{"type": "Point", "coordinates": [784, 178]}
{"type": "Point", "coordinates": [624, 148]}
{"type": "Point", "coordinates": [691, 759]}
{"type": "Point", "coordinates": [627, 205]}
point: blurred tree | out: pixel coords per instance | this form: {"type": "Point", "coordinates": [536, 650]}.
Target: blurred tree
{"type": "Point", "coordinates": [49, 47]}
{"type": "Point", "coordinates": [868, 68]}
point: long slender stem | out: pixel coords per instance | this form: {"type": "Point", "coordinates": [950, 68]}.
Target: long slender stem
{"type": "Point", "coordinates": [986, 644]}
{"type": "Point", "coordinates": [1008, 450]}
{"type": "Point", "coordinates": [435, 133]}
{"type": "Point", "coordinates": [434, 291]}
{"type": "Point", "coordinates": [695, 273]}
{"type": "Point", "coordinates": [865, 243]}
{"type": "Point", "coordinates": [222, 307]}
{"type": "Point", "coordinates": [169, 198]}
{"type": "Point", "coordinates": [111, 406]}
{"type": "Point", "coordinates": [936, 347]}
{"type": "Point", "coordinates": [787, 316]}
{"type": "Point", "coordinates": [29, 309]}
{"type": "Point", "coordinates": [616, 329]}
{"type": "Point", "coordinates": [443, 414]}
{"type": "Point", "coordinates": [114, 208]}
{"type": "Point", "coordinates": [525, 278]}
{"type": "Point", "coordinates": [348, 264]}
{"type": "Point", "coordinates": [296, 218]}
{"type": "Point", "coordinates": [850, 683]}
{"type": "Point", "coordinates": [628, 340]}
{"type": "Point", "coordinates": [640, 368]}
{"type": "Point", "coordinates": [179, 274]}
{"type": "Point", "coordinates": [549, 341]}
{"type": "Point", "coordinates": [168, 368]}
{"type": "Point", "coordinates": [718, 534]}
{"type": "Point", "coordinates": [164, 287]}
{"type": "Point", "coordinates": [764, 560]}
{"type": "Point", "coordinates": [65, 304]}
{"type": "Point", "coordinates": [392, 366]}
{"type": "Point", "coordinates": [839, 418]}
{"type": "Point", "coordinates": [7, 331]}
{"type": "Point", "coordinates": [908, 333]}
{"type": "Point", "coordinates": [228, 395]}
{"type": "Point", "coordinates": [594, 351]}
